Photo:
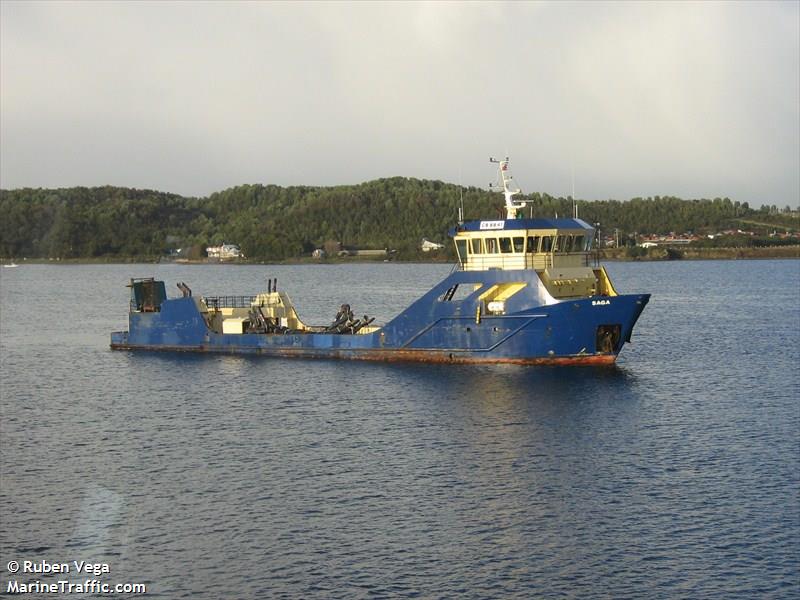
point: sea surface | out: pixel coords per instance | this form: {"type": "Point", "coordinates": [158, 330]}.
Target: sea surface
{"type": "Point", "coordinates": [675, 474]}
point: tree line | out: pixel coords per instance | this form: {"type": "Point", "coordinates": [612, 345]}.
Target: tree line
{"type": "Point", "coordinates": [270, 222]}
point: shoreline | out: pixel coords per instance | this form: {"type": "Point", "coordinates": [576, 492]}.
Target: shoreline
{"type": "Point", "coordinates": [613, 255]}
{"type": "Point", "coordinates": [672, 253]}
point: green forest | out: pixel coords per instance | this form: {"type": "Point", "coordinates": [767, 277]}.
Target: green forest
{"type": "Point", "coordinates": [270, 222]}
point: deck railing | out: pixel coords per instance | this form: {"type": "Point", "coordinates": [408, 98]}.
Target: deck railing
{"type": "Point", "coordinates": [217, 302]}
{"type": "Point", "coordinates": [538, 261]}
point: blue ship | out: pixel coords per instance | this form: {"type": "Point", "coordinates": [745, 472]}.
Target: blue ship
{"type": "Point", "coordinates": [526, 291]}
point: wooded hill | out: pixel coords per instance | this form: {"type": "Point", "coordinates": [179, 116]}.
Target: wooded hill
{"type": "Point", "coordinates": [270, 222]}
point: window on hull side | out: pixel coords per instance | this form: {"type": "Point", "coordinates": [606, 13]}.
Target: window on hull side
{"type": "Point", "coordinates": [459, 292]}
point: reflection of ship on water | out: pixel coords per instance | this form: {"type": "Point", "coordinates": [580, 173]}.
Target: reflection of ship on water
{"type": "Point", "coordinates": [524, 291]}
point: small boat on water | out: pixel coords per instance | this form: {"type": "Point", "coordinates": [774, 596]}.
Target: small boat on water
{"type": "Point", "coordinates": [524, 291]}
{"type": "Point", "coordinates": [11, 265]}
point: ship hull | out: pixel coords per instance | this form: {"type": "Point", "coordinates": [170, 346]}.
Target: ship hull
{"type": "Point", "coordinates": [421, 356]}
{"type": "Point", "coordinates": [533, 329]}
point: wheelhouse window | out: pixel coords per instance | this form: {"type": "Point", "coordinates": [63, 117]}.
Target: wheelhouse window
{"type": "Point", "coordinates": [461, 247]}
{"type": "Point", "coordinates": [491, 245]}
{"type": "Point", "coordinates": [519, 244]}
{"type": "Point", "coordinates": [533, 243]}
{"type": "Point", "coordinates": [547, 243]}
{"type": "Point", "coordinates": [505, 245]}
{"type": "Point", "coordinates": [476, 246]}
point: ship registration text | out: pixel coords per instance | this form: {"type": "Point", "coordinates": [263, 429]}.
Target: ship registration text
{"type": "Point", "coordinates": [492, 224]}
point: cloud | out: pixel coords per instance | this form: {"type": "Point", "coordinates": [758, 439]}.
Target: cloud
{"type": "Point", "coordinates": [688, 99]}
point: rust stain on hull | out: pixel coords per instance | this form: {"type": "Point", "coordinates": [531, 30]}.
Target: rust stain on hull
{"type": "Point", "coordinates": [424, 356]}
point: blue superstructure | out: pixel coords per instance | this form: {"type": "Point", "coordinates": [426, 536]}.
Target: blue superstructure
{"type": "Point", "coordinates": [525, 291]}
{"type": "Point", "coordinates": [525, 224]}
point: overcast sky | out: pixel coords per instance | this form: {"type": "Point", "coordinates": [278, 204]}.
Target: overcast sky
{"type": "Point", "coordinates": [692, 99]}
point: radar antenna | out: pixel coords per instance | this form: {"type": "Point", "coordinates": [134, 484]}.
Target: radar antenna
{"type": "Point", "coordinates": [513, 208]}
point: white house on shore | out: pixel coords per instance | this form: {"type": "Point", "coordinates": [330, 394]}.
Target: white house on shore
{"type": "Point", "coordinates": [224, 252]}
{"type": "Point", "coordinates": [428, 245]}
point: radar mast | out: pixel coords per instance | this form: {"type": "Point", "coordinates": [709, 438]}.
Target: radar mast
{"type": "Point", "coordinates": [513, 208]}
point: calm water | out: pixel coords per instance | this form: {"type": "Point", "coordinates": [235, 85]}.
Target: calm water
{"type": "Point", "coordinates": [673, 475]}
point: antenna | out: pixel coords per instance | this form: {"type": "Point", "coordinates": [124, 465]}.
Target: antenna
{"type": "Point", "coordinates": [461, 198]}
{"type": "Point", "coordinates": [574, 202]}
